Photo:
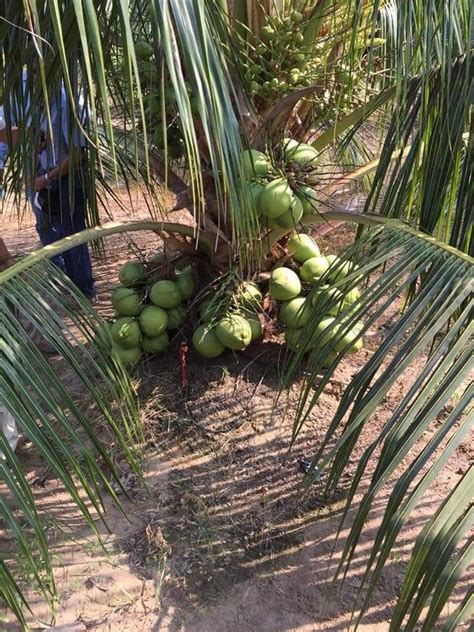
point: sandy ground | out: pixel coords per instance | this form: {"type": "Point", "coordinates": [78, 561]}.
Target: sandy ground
{"type": "Point", "coordinates": [226, 540]}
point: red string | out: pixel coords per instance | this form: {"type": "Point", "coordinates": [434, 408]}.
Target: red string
{"type": "Point", "coordinates": [183, 369]}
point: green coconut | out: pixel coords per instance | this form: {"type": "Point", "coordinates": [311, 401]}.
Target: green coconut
{"type": "Point", "coordinates": [292, 216]}
{"type": "Point", "coordinates": [350, 340]}
{"type": "Point", "coordinates": [104, 334]}
{"type": "Point", "coordinates": [322, 333]}
{"type": "Point", "coordinates": [303, 155]}
{"type": "Point", "coordinates": [143, 50]}
{"type": "Point", "coordinates": [339, 269]}
{"type": "Point", "coordinates": [132, 273]}
{"type": "Point", "coordinates": [126, 301]}
{"type": "Point", "coordinates": [293, 338]}
{"type": "Point", "coordinates": [313, 269]}
{"type": "Point", "coordinates": [295, 313]}
{"type": "Point", "coordinates": [289, 144]}
{"type": "Point", "coordinates": [330, 357]}
{"type": "Point", "coordinates": [302, 247]}
{"type": "Point", "coordinates": [153, 320]}
{"type": "Point", "coordinates": [284, 284]}
{"type": "Point", "coordinates": [206, 342]}
{"type": "Point", "coordinates": [256, 189]}
{"type": "Point", "coordinates": [358, 326]}
{"type": "Point", "coordinates": [256, 327]}
{"type": "Point", "coordinates": [186, 283]}
{"type": "Point", "coordinates": [276, 198]}
{"type": "Point", "coordinates": [352, 296]}
{"type": "Point", "coordinates": [249, 295]}
{"type": "Point", "coordinates": [332, 259]}
{"type": "Point", "coordinates": [126, 332]}
{"type": "Point", "coordinates": [255, 163]}
{"type": "Point", "coordinates": [328, 300]}
{"type": "Point", "coordinates": [165, 294]}
{"type": "Point", "coordinates": [234, 332]}
{"type": "Point", "coordinates": [254, 321]}
{"type": "Point", "coordinates": [128, 356]}
{"type": "Point", "coordinates": [308, 197]}
{"type": "Point", "coordinates": [155, 344]}
{"type": "Point", "coordinates": [176, 316]}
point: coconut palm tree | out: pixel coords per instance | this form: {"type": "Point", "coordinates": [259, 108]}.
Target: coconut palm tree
{"type": "Point", "coordinates": [175, 93]}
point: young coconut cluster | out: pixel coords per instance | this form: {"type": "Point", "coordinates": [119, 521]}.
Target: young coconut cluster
{"type": "Point", "coordinates": [277, 59]}
{"type": "Point", "coordinates": [299, 300]}
{"type": "Point", "coordinates": [234, 327]}
{"type": "Point", "coordinates": [147, 309]}
{"type": "Point", "coordinates": [278, 205]}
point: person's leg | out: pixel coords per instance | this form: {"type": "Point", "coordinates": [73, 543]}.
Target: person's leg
{"type": "Point", "coordinates": [77, 261]}
{"type": "Point", "coordinates": [45, 229]}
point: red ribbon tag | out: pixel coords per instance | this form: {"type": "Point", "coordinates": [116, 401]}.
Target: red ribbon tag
{"type": "Point", "coordinates": [183, 369]}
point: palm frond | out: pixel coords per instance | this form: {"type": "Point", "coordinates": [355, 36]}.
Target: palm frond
{"type": "Point", "coordinates": [437, 323]}
{"type": "Point", "coordinates": [12, 594]}
{"type": "Point", "coordinates": [38, 306]}
{"type": "Point", "coordinates": [91, 51]}
{"type": "Point", "coordinates": [202, 62]}
{"type": "Point", "coordinates": [436, 201]}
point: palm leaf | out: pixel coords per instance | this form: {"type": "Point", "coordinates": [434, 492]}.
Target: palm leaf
{"type": "Point", "coordinates": [37, 300]}
{"type": "Point", "coordinates": [81, 48]}
{"type": "Point", "coordinates": [437, 201]}
{"type": "Point", "coordinates": [12, 594]}
{"type": "Point", "coordinates": [436, 322]}
{"type": "Point", "coordinates": [462, 613]}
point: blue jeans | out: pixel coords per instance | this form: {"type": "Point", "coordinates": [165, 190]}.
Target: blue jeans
{"type": "Point", "coordinates": [58, 219]}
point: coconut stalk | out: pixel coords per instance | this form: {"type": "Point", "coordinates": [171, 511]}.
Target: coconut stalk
{"type": "Point", "coordinates": [314, 22]}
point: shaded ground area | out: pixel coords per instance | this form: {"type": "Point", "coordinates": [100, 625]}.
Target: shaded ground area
{"type": "Point", "coordinates": [227, 538]}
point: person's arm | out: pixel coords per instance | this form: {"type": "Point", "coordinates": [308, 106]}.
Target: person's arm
{"type": "Point", "coordinates": [73, 158]}
{"type": "Point", "coordinates": [74, 139]}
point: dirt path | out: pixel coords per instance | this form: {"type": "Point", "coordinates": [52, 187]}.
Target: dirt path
{"type": "Point", "coordinates": [225, 540]}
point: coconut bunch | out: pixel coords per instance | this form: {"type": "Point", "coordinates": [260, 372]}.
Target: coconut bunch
{"type": "Point", "coordinates": [314, 286]}
{"type": "Point", "coordinates": [279, 204]}
{"type": "Point", "coordinates": [233, 326]}
{"type": "Point", "coordinates": [148, 309]}
{"type": "Point", "coordinates": [277, 60]}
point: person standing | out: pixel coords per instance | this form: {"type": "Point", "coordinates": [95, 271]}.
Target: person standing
{"type": "Point", "coordinates": [60, 187]}
{"type": "Point", "coordinates": [57, 191]}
